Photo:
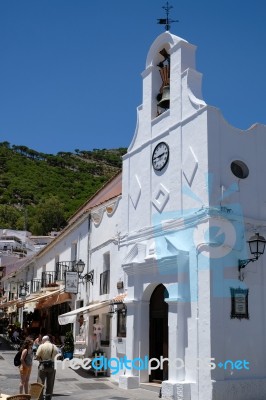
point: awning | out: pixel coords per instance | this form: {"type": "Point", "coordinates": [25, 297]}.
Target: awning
{"type": "Point", "coordinates": [8, 304]}
{"type": "Point", "coordinates": [41, 297]}
{"type": "Point", "coordinates": [70, 317]}
{"type": "Point", "coordinates": [53, 299]}
{"type": "Point", "coordinates": [29, 303]}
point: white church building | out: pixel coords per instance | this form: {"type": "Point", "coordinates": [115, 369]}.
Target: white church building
{"type": "Point", "coordinates": [165, 246]}
{"type": "Point", "coordinates": [191, 199]}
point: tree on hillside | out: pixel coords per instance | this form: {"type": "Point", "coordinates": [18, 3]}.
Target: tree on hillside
{"type": "Point", "coordinates": [48, 216]}
{"type": "Point", "coordinates": [9, 217]}
{"type": "Point", "coordinates": [5, 144]}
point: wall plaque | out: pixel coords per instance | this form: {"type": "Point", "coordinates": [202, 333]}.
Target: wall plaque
{"type": "Point", "coordinates": [239, 303]}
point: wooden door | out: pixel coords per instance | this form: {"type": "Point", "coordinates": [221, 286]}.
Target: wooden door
{"type": "Point", "coordinates": [159, 331]}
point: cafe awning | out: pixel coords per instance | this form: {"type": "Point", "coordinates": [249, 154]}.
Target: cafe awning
{"type": "Point", "coordinates": [53, 299]}
{"type": "Point", "coordinates": [8, 304]}
{"type": "Point", "coordinates": [30, 302]}
{"type": "Point", "coordinates": [36, 298]}
{"type": "Point", "coordinates": [70, 316]}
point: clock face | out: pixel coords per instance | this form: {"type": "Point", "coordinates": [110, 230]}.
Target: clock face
{"type": "Point", "coordinates": [160, 156]}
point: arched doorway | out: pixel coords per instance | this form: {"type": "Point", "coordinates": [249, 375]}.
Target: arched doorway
{"type": "Point", "coordinates": [159, 331]}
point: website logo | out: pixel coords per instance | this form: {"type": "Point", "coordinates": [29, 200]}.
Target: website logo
{"type": "Point", "coordinates": [116, 365]}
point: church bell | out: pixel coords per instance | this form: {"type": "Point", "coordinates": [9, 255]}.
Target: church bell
{"type": "Point", "coordinates": [165, 100]}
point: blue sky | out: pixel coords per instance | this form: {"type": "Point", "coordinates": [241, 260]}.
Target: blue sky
{"type": "Point", "coordinates": [70, 70]}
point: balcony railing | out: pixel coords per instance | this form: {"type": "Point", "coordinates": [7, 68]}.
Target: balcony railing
{"type": "Point", "coordinates": [35, 285]}
{"type": "Point", "coordinates": [62, 267]}
{"type": "Point", "coordinates": [104, 282]}
{"type": "Point", "coordinates": [49, 279]}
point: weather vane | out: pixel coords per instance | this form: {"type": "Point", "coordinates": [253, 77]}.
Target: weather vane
{"type": "Point", "coordinates": [166, 21]}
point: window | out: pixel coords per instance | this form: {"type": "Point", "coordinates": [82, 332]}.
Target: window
{"type": "Point", "coordinates": [58, 276]}
{"type": "Point", "coordinates": [74, 249]}
{"type": "Point", "coordinates": [239, 169]}
{"type": "Point", "coordinates": [105, 275]}
{"type": "Point", "coordinates": [105, 339]}
{"type": "Point", "coordinates": [121, 323]}
{"type": "Point", "coordinates": [104, 282]}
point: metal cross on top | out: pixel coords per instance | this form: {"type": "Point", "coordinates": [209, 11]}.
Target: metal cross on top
{"type": "Point", "coordinates": [166, 21]}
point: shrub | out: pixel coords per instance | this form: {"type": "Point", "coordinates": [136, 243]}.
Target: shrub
{"type": "Point", "coordinates": [69, 343]}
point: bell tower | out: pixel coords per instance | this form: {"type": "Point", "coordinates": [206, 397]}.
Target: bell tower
{"type": "Point", "coordinates": [165, 154]}
{"type": "Point", "coordinates": [163, 139]}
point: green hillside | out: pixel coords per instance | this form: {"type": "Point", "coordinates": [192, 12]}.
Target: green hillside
{"type": "Point", "coordinates": [39, 192]}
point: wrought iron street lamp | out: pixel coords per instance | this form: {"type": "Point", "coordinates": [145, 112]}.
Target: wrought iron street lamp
{"type": "Point", "coordinates": [257, 247]}
{"type": "Point", "coordinates": [79, 268]}
{"type": "Point", "coordinates": [23, 289]}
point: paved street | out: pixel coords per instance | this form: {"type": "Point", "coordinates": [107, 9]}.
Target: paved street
{"type": "Point", "coordinates": [71, 384]}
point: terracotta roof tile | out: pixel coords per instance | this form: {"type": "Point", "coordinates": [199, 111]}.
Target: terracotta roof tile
{"type": "Point", "coordinates": [119, 298]}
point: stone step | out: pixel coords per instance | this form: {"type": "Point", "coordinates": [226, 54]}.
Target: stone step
{"type": "Point", "coordinates": [153, 387]}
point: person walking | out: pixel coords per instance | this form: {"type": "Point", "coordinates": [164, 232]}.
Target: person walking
{"type": "Point", "coordinates": [46, 353]}
{"type": "Point", "coordinates": [36, 344]}
{"type": "Point", "coordinates": [25, 366]}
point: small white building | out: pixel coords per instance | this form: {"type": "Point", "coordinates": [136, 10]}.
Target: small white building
{"type": "Point", "coordinates": [15, 243]}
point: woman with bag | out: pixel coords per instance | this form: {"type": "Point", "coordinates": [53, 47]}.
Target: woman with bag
{"type": "Point", "coordinates": [25, 366]}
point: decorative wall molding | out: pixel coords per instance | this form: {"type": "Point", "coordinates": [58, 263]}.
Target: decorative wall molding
{"type": "Point", "coordinates": [160, 197]}
{"type": "Point", "coordinates": [110, 208]}
{"type": "Point", "coordinates": [190, 166]}
{"type": "Point", "coordinates": [136, 254]}
{"type": "Point", "coordinates": [135, 190]}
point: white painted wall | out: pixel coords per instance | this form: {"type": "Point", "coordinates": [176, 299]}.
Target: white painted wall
{"type": "Point", "coordinates": [232, 338]}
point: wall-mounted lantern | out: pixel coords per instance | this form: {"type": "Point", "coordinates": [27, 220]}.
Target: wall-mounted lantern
{"type": "Point", "coordinates": [257, 247]}
{"type": "Point", "coordinates": [23, 289]}
{"type": "Point", "coordinates": [79, 268]}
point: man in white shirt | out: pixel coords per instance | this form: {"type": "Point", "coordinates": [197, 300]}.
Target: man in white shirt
{"type": "Point", "coordinates": [46, 373]}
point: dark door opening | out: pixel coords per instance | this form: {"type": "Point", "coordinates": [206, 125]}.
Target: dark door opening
{"type": "Point", "coordinates": [159, 331]}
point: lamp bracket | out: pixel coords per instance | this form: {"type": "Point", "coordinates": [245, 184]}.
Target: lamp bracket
{"type": "Point", "coordinates": [88, 277]}
{"type": "Point", "coordinates": [243, 263]}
